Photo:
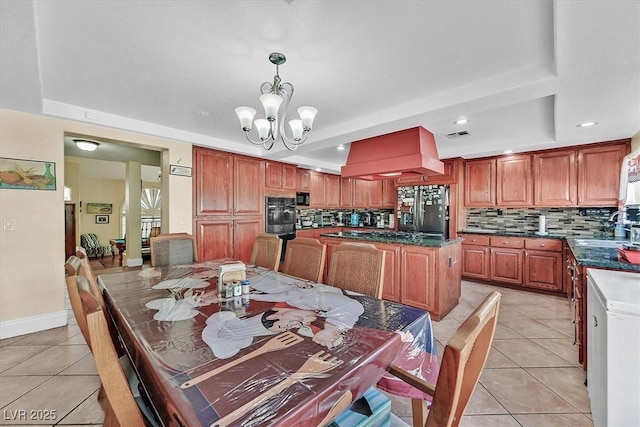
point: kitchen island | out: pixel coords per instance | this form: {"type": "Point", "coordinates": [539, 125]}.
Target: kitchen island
{"type": "Point", "coordinates": [420, 270]}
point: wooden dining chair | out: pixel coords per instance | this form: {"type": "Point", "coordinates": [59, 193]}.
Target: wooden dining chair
{"type": "Point", "coordinates": [462, 362]}
{"type": "Point", "coordinates": [173, 249]}
{"type": "Point", "coordinates": [305, 258]}
{"type": "Point", "coordinates": [267, 249]}
{"type": "Point", "coordinates": [119, 405]}
{"type": "Point", "coordinates": [357, 267]}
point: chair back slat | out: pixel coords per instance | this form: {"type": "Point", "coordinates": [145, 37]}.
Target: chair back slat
{"type": "Point", "coordinates": [305, 258]}
{"type": "Point", "coordinates": [357, 267]}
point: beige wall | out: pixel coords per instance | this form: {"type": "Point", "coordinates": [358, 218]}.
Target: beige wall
{"type": "Point", "coordinates": [32, 256]}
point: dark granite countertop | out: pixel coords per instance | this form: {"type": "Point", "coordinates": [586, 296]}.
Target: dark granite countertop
{"type": "Point", "coordinates": [600, 257]}
{"type": "Point", "coordinates": [393, 237]}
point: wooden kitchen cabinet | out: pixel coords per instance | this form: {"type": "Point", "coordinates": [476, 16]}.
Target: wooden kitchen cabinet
{"type": "Point", "coordinates": [375, 194]}
{"type": "Point", "coordinates": [507, 256]}
{"type": "Point", "coordinates": [513, 181]}
{"type": "Point", "coordinates": [332, 191]}
{"type": "Point", "coordinates": [599, 174]}
{"type": "Point", "coordinates": [430, 278]}
{"type": "Point", "coordinates": [543, 264]}
{"type": "Point", "coordinates": [360, 193]}
{"type": "Point", "coordinates": [475, 256]}
{"type": "Point", "coordinates": [389, 194]}
{"type": "Point", "coordinates": [480, 183]}
{"type": "Point", "coordinates": [248, 186]}
{"type": "Point", "coordinates": [226, 184]}
{"type": "Point", "coordinates": [346, 192]}
{"type": "Point", "coordinates": [554, 178]}
{"type": "Point", "coordinates": [280, 175]}
{"type": "Point", "coordinates": [316, 190]}
{"type": "Point", "coordinates": [304, 180]}
{"type": "Point", "coordinates": [416, 284]}
{"type": "Point", "coordinates": [227, 237]}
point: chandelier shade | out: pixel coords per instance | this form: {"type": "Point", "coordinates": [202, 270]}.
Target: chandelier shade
{"type": "Point", "coordinates": [275, 100]}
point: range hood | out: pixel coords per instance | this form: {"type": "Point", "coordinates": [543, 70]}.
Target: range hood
{"type": "Point", "coordinates": [405, 153]}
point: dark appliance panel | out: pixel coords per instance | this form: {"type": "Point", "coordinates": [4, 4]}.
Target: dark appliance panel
{"type": "Point", "coordinates": [302, 199]}
{"type": "Point", "coordinates": [281, 219]}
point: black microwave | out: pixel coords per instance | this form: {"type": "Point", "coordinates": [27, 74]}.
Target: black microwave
{"type": "Point", "coordinates": [302, 199]}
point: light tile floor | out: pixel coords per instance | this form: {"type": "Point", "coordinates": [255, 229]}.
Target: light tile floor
{"type": "Point", "coordinates": [532, 377]}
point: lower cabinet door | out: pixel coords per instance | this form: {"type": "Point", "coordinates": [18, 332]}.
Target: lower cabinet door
{"type": "Point", "coordinates": [506, 265]}
{"type": "Point", "coordinates": [475, 262]}
{"type": "Point", "coordinates": [244, 235]}
{"type": "Point", "coordinates": [543, 270]}
{"type": "Point", "coordinates": [418, 277]}
{"type": "Point", "coordinates": [214, 239]}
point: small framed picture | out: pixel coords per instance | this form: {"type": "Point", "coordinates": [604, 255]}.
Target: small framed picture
{"type": "Point", "coordinates": [179, 170]}
{"type": "Point", "coordinates": [102, 219]}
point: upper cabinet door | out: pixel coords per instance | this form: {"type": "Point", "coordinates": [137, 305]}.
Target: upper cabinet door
{"type": "Point", "coordinates": [249, 186]}
{"type": "Point", "coordinates": [360, 193]}
{"type": "Point", "coordinates": [480, 183]}
{"type": "Point", "coordinates": [273, 174]}
{"type": "Point", "coordinates": [346, 192]}
{"type": "Point", "coordinates": [375, 194]}
{"type": "Point", "coordinates": [332, 191]}
{"type": "Point", "coordinates": [289, 176]}
{"type": "Point", "coordinates": [554, 178]}
{"type": "Point", "coordinates": [316, 191]}
{"type": "Point", "coordinates": [304, 180]}
{"type": "Point", "coordinates": [213, 183]}
{"type": "Point", "coordinates": [389, 193]}
{"type": "Point", "coordinates": [513, 181]}
{"type": "Point", "coordinates": [599, 174]}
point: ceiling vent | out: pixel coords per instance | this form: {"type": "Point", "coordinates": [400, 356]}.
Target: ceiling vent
{"type": "Point", "coordinates": [454, 135]}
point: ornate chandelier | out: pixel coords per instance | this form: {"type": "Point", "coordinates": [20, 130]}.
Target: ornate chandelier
{"type": "Point", "coordinates": [275, 99]}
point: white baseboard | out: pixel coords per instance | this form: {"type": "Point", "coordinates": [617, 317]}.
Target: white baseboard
{"type": "Point", "coordinates": [134, 262]}
{"type": "Point", "coordinates": [28, 325]}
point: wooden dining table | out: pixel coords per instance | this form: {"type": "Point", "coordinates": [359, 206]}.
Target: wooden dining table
{"type": "Point", "coordinates": [290, 352]}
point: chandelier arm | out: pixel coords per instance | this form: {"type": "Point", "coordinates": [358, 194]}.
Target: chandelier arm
{"type": "Point", "coordinates": [292, 144]}
{"type": "Point", "coordinates": [258, 142]}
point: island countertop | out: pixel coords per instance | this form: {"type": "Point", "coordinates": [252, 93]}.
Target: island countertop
{"type": "Point", "coordinates": [395, 237]}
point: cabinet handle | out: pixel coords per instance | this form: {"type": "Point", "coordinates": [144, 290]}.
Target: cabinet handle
{"type": "Point", "coordinates": [595, 321]}
{"type": "Point", "coordinates": [542, 245]}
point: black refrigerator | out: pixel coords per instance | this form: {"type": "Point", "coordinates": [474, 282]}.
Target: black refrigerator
{"type": "Point", "coordinates": [424, 208]}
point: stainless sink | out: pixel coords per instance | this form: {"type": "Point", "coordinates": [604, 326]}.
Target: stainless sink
{"type": "Point", "coordinates": [600, 243]}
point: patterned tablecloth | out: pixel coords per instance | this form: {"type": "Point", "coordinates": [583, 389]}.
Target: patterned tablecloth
{"type": "Point", "coordinates": [282, 355]}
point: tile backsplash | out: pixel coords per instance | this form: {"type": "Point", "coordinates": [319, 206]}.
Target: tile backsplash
{"type": "Point", "coordinates": [581, 222]}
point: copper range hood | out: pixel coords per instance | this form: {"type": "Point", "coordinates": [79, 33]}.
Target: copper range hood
{"type": "Point", "coordinates": [405, 153]}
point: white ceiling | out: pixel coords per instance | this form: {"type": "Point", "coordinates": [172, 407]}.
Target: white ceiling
{"type": "Point", "coordinates": [524, 73]}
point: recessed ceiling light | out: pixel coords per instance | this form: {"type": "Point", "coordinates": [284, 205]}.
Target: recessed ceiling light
{"type": "Point", "coordinates": [461, 121]}
{"type": "Point", "coordinates": [508, 151]}
{"type": "Point", "coordinates": [587, 124]}
{"type": "Point", "coordinates": [204, 113]}
{"type": "Point", "coordinates": [340, 147]}
{"type": "Point", "coordinates": [318, 170]}
{"type": "Point", "coordinates": [86, 145]}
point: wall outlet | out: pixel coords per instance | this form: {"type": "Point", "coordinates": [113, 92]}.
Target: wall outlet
{"type": "Point", "coordinates": [8, 224]}
{"type": "Point", "coordinates": [500, 212]}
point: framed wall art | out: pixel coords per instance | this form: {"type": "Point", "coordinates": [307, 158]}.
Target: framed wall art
{"type": "Point", "coordinates": [99, 208]}
{"type": "Point", "coordinates": [23, 174]}
{"type": "Point", "coordinates": [102, 219]}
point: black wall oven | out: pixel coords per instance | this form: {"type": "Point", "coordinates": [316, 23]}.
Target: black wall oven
{"type": "Point", "coordinates": [281, 219]}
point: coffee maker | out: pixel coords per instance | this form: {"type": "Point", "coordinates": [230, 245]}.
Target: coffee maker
{"type": "Point", "coordinates": [367, 219]}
